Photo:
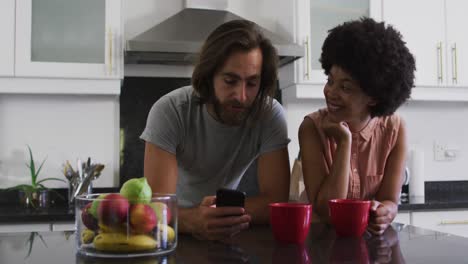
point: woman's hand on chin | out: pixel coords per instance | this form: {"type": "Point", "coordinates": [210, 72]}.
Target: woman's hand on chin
{"type": "Point", "coordinates": [338, 130]}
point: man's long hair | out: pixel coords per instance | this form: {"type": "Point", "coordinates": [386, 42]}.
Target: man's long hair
{"type": "Point", "coordinates": [230, 37]}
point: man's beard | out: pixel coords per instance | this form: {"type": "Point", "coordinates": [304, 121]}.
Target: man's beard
{"type": "Point", "coordinates": [228, 116]}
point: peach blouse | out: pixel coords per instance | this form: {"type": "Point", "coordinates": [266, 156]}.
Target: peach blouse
{"type": "Point", "coordinates": [370, 149]}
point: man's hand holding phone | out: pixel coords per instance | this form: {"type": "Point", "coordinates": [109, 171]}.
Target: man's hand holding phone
{"type": "Point", "coordinates": [231, 198]}
{"type": "Point", "coordinates": [223, 221]}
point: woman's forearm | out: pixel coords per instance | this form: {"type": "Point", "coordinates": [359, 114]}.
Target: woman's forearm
{"type": "Point", "coordinates": [336, 184]}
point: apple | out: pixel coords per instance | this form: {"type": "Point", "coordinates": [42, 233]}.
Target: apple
{"type": "Point", "coordinates": [113, 210]}
{"type": "Point", "coordinates": [94, 207]}
{"type": "Point", "coordinates": [88, 219]}
{"type": "Point", "coordinates": [161, 209]}
{"type": "Point", "coordinates": [137, 190]}
{"type": "Point", "coordinates": [142, 218]}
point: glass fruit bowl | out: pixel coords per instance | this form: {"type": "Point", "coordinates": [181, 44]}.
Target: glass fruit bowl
{"type": "Point", "coordinates": [112, 225]}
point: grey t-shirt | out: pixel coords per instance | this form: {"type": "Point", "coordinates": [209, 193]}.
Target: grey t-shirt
{"type": "Point", "coordinates": [209, 154]}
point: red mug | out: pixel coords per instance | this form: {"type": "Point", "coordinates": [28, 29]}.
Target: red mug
{"type": "Point", "coordinates": [349, 216]}
{"type": "Point", "coordinates": [290, 222]}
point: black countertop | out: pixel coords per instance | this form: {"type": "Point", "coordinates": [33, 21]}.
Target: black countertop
{"type": "Point", "coordinates": [441, 195]}
{"type": "Point", "coordinates": [61, 212]}
{"type": "Point", "coordinates": [399, 244]}
{"type": "Point", "coordinates": [421, 203]}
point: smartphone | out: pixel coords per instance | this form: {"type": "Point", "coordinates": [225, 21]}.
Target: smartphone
{"type": "Point", "coordinates": [228, 197]}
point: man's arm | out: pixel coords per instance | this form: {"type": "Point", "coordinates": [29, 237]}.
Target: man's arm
{"type": "Point", "coordinates": [273, 180]}
{"type": "Point", "coordinates": [160, 169]}
{"type": "Point", "coordinates": [204, 221]}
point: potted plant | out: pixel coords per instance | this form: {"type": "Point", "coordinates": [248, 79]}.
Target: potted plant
{"type": "Point", "coordinates": [34, 194]}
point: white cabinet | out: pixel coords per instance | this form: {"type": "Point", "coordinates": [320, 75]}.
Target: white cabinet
{"type": "Point", "coordinates": [454, 222]}
{"type": "Point", "coordinates": [457, 41]}
{"type": "Point", "coordinates": [435, 36]}
{"type": "Point", "coordinates": [69, 39]}
{"type": "Point", "coordinates": [314, 19]}
{"type": "Point", "coordinates": [63, 226]}
{"type": "Point", "coordinates": [29, 227]}
{"type": "Point", "coordinates": [7, 30]}
{"type": "Point", "coordinates": [403, 218]}
{"type": "Point", "coordinates": [38, 227]}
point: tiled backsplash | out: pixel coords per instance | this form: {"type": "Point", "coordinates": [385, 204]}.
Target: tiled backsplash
{"type": "Point", "coordinates": [137, 97]}
{"type": "Point", "coordinates": [446, 191]}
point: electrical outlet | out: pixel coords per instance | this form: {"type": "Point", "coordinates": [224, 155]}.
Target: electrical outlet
{"type": "Point", "coordinates": [439, 151]}
{"type": "Point", "coordinates": [442, 152]}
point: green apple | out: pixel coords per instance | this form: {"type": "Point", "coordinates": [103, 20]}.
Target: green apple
{"type": "Point", "coordinates": [137, 190]}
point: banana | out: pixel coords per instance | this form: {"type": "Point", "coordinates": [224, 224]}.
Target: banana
{"type": "Point", "coordinates": [112, 229]}
{"type": "Point", "coordinates": [166, 233]}
{"type": "Point", "coordinates": [87, 236]}
{"type": "Point", "coordinates": [118, 242]}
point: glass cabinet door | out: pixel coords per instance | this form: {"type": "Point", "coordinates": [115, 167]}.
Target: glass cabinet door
{"type": "Point", "coordinates": [325, 15]}
{"type": "Point", "coordinates": [316, 17]}
{"type": "Point", "coordinates": [69, 38]}
{"type": "Point", "coordinates": [68, 31]}
{"type": "Point", "coordinates": [7, 29]}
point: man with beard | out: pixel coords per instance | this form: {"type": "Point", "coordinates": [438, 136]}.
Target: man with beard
{"type": "Point", "coordinates": [217, 131]}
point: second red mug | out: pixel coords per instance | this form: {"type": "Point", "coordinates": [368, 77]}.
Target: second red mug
{"type": "Point", "coordinates": [349, 217]}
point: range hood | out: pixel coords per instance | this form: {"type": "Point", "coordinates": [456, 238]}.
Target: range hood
{"type": "Point", "coordinates": [178, 39]}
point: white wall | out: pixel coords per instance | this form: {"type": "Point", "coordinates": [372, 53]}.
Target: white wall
{"type": "Point", "coordinates": [427, 122]}
{"type": "Point", "coordinates": [59, 128]}
{"type": "Point", "coordinates": [445, 122]}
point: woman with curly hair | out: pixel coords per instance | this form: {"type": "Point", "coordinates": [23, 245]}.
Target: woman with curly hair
{"type": "Point", "coordinates": [356, 146]}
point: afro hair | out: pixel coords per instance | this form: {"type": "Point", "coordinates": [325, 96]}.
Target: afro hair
{"type": "Point", "coordinates": [376, 57]}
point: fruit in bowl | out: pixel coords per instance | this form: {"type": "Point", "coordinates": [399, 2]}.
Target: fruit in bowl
{"type": "Point", "coordinates": [162, 213]}
{"type": "Point", "coordinates": [142, 218]}
{"type": "Point", "coordinates": [113, 209]}
{"type": "Point", "coordinates": [137, 190]}
{"type": "Point", "coordinates": [88, 219]}
{"type": "Point", "coordinates": [132, 222]}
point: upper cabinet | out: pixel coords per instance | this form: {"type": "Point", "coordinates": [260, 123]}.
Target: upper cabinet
{"type": "Point", "coordinates": [434, 36]}
{"type": "Point", "coordinates": [314, 19]}
{"type": "Point", "coordinates": [457, 41]}
{"type": "Point", "coordinates": [7, 29]}
{"type": "Point", "coordinates": [68, 39]}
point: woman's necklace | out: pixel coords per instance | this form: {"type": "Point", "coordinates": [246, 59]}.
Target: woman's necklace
{"type": "Point", "coordinates": [362, 128]}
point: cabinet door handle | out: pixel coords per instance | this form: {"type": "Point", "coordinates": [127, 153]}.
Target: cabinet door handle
{"type": "Point", "coordinates": [109, 51]}
{"type": "Point", "coordinates": [115, 53]}
{"type": "Point", "coordinates": [439, 53]}
{"type": "Point", "coordinates": [453, 222]}
{"type": "Point", "coordinates": [307, 73]}
{"type": "Point", "coordinates": [454, 64]}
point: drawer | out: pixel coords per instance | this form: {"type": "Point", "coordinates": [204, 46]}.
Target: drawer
{"type": "Point", "coordinates": [403, 218]}
{"type": "Point", "coordinates": [30, 227]}
{"type": "Point", "coordinates": [63, 226]}
{"type": "Point", "coordinates": [450, 221]}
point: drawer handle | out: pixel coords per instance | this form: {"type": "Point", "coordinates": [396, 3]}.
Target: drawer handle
{"type": "Point", "coordinates": [307, 74]}
{"type": "Point", "coordinates": [453, 222]}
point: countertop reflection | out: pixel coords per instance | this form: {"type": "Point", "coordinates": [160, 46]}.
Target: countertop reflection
{"type": "Point", "coordinates": [399, 244]}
